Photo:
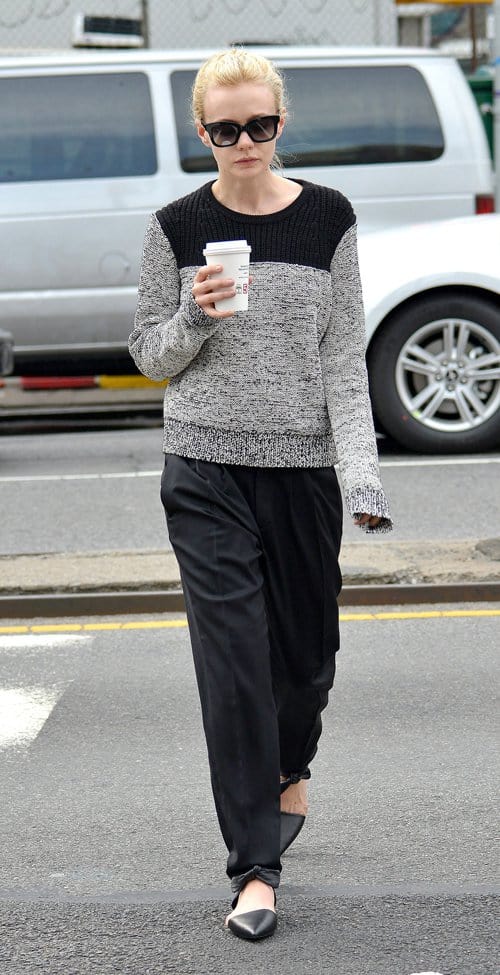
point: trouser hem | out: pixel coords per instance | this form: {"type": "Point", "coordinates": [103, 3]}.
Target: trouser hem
{"type": "Point", "coordinates": [266, 874]}
{"type": "Point", "coordinates": [291, 778]}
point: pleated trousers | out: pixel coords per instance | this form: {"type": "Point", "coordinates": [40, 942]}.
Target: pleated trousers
{"type": "Point", "coordinates": [258, 554]}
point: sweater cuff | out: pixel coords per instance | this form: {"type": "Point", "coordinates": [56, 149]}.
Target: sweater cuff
{"type": "Point", "coordinates": [198, 319]}
{"type": "Point", "coordinates": [370, 501]}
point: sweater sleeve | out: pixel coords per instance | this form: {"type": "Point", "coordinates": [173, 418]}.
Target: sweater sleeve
{"type": "Point", "coordinates": [169, 331]}
{"type": "Point", "coordinates": [342, 353]}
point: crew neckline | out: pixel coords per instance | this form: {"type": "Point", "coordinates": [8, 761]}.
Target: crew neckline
{"type": "Point", "coordinates": [260, 217]}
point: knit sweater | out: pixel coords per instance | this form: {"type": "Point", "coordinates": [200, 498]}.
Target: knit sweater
{"type": "Point", "coordinates": [283, 384]}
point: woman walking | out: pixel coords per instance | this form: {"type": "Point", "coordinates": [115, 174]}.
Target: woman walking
{"type": "Point", "coordinates": [260, 405]}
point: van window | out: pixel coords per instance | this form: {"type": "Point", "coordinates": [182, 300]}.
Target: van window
{"type": "Point", "coordinates": [338, 116]}
{"type": "Point", "coordinates": [85, 126]}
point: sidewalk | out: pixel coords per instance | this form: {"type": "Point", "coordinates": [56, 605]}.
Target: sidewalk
{"type": "Point", "coordinates": [367, 562]}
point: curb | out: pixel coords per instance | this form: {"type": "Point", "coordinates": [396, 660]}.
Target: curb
{"type": "Point", "coordinates": [105, 381]}
{"type": "Point", "coordinates": [375, 572]}
{"type": "Point", "coordinates": [35, 396]}
{"type": "Point", "coordinates": [129, 603]}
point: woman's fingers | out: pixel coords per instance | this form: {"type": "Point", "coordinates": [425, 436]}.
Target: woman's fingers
{"type": "Point", "coordinates": [207, 290]}
{"type": "Point", "coordinates": [371, 520]}
{"type": "Point", "coordinates": [213, 313]}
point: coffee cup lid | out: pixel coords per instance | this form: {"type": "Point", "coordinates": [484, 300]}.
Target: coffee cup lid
{"type": "Point", "coordinates": [226, 247]}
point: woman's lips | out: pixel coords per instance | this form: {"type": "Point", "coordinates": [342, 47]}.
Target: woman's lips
{"type": "Point", "coordinates": [242, 162]}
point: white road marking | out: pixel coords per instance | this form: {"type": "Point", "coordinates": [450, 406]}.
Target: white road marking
{"type": "Point", "coordinates": [110, 475]}
{"type": "Point", "coordinates": [42, 641]}
{"type": "Point", "coordinates": [440, 462]}
{"type": "Point", "coordinates": [23, 713]}
{"type": "Point", "coordinates": [25, 709]}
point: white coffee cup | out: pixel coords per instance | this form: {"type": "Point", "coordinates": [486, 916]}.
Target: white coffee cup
{"type": "Point", "coordinates": [234, 256]}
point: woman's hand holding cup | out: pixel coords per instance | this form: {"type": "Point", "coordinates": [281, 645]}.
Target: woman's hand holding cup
{"type": "Point", "coordinates": [228, 263]}
{"type": "Point", "coordinates": [206, 291]}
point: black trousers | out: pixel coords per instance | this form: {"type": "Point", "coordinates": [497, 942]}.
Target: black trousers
{"type": "Point", "coordinates": [258, 555]}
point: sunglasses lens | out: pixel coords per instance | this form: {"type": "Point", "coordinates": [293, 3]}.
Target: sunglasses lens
{"type": "Point", "coordinates": [262, 129]}
{"type": "Point", "coordinates": [259, 129]}
{"type": "Point", "coordinates": [224, 134]}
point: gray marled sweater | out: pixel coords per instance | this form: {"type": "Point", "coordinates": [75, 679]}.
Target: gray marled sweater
{"type": "Point", "coordinates": [283, 384]}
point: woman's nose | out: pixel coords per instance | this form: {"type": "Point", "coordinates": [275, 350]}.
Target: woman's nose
{"type": "Point", "coordinates": [245, 140]}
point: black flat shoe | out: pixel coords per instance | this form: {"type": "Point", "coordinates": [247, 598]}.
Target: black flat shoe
{"type": "Point", "coordinates": [254, 925]}
{"type": "Point", "coordinates": [290, 827]}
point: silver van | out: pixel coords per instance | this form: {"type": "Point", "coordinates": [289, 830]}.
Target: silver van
{"type": "Point", "coordinates": [91, 143]}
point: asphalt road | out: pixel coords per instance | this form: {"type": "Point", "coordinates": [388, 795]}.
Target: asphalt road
{"type": "Point", "coordinates": [111, 857]}
{"type": "Point", "coordinates": [93, 491]}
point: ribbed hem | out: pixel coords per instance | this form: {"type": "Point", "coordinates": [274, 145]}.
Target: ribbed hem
{"type": "Point", "coordinates": [267, 875]}
{"type": "Point", "coordinates": [247, 447]}
{"type": "Point", "coordinates": [370, 501]}
{"type": "Point", "coordinates": [198, 319]}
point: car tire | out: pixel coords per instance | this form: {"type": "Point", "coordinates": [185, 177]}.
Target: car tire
{"type": "Point", "coordinates": [434, 368]}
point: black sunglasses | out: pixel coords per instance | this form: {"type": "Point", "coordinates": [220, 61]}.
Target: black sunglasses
{"type": "Point", "coordinates": [224, 134]}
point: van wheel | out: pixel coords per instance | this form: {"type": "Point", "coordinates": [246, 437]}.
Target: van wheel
{"type": "Point", "coordinates": [435, 374]}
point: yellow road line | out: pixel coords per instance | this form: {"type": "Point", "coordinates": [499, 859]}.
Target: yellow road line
{"type": "Point", "coordinates": [420, 614]}
{"type": "Point", "coordinates": [129, 382]}
{"type": "Point", "coordinates": [56, 628]}
{"type": "Point", "coordinates": [182, 622]}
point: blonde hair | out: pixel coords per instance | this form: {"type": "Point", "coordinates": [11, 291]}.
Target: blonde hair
{"type": "Point", "coordinates": [232, 67]}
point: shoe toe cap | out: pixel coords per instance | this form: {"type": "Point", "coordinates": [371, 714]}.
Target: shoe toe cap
{"type": "Point", "coordinates": [253, 925]}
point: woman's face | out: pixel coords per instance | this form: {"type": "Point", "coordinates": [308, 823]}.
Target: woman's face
{"type": "Point", "coordinates": [240, 103]}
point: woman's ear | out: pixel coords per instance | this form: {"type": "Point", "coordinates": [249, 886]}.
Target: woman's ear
{"type": "Point", "coordinates": [203, 134]}
{"type": "Point", "coordinates": [281, 123]}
